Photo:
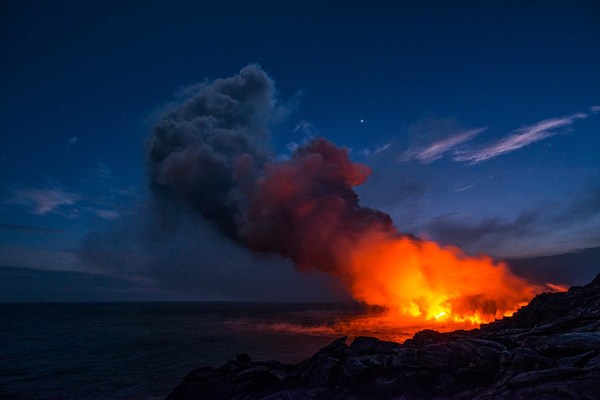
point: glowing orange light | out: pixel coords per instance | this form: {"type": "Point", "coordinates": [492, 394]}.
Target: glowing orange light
{"type": "Point", "coordinates": [421, 282]}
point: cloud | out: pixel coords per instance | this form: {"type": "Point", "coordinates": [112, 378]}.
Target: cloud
{"type": "Point", "coordinates": [105, 214]}
{"type": "Point", "coordinates": [391, 191]}
{"type": "Point", "coordinates": [208, 148]}
{"type": "Point", "coordinates": [206, 156]}
{"type": "Point", "coordinates": [464, 188]}
{"type": "Point", "coordinates": [176, 248]}
{"type": "Point", "coordinates": [307, 128]}
{"type": "Point", "coordinates": [431, 141]}
{"type": "Point", "coordinates": [55, 198]}
{"type": "Point", "coordinates": [98, 170]}
{"type": "Point", "coordinates": [584, 207]}
{"type": "Point", "coordinates": [72, 141]}
{"type": "Point", "coordinates": [518, 139]}
{"type": "Point", "coordinates": [375, 151]}
{"type": "Point", "coordinates": [309, 132]}
{"type": "Point", "coordinates": [573, 268]}
{"type": "Point", "coordinates": [292, 146]}
{"type": "Point", "coordinates": [438, 149]}
{"type": "Point", "coordinates": [45, 200]}
{"type": "Point", "coordinates": [29, 228]}
{"type": "Point", "coordinates": [532, 228]}
{"type": "Point", "coordinates": [394, 190]}
{"type": "Point", "coordinates": [489, 233]}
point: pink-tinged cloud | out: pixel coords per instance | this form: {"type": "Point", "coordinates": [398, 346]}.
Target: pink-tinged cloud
{"type": "Point", "coordinates": [46, 200]}
{"type": "Point", "coordinates": [438, 149]}
{"type": "Point", "coordinates": [518, 139]}
{"type": "Point", "coordinates": [107, 214]}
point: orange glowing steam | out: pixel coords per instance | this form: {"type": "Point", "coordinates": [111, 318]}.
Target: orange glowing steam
{"type": "Point", "coordinates": [306, 209]}
{"type": "Point", "coordinates": [421, 282]}
{"type": "Point", "coordinates": [212, 152]}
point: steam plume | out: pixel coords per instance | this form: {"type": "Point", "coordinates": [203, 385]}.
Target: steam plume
{"type": "Point", "coordinates": [208, 149]}
{"type": "Point", "coordinates": [212, 151]}
{"type": "Point", "coordinates": [305, 208]}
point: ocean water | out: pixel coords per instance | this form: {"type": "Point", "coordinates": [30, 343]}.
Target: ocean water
{"type": "Point", "coordinates": [143, 350]}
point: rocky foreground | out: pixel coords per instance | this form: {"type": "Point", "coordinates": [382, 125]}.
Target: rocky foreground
{"type": "Point", "coordinates": [549, 349]}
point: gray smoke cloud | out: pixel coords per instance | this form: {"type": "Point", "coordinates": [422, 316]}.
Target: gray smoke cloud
{"type": "Point", "coordinates": [204, 157]}
{"type": "Point", "coordinates": [208, 149]}
{"type": "Point", "coordinates": [168, 245]}
{"type": "Point", "coordinates": [211, 152]}
{"type": "Point", "coordinates": [209, 164]}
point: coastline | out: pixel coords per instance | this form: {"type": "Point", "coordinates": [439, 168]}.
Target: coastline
{"type": "Point", "coordinates": [548, 349]}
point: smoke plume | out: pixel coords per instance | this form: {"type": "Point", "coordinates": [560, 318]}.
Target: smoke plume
{"type": "Point", "coordinates": [212, 152]}
{"type": "Point", "coordinates": [209, 149]}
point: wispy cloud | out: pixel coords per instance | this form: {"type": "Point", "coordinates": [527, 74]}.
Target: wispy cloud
{"type": "Point", "coordinates": [72, 141]}
{"type": "Point", "coordinates": [98, 170]}
{"type": "Point", "coordinates": [463, 188]}
{"type": "Point", "coordinates": [457, 148]}
{"type": "Point", "coordinates": [307, 128]}
{"type": "Point", "coordinates": [518, 139]}
{"type": "Point", "coordinates": [105, 214]}
{"type": "Point", "coordinates": [55, 199]}
{"type": "Point", "coordinates": [45, 200]}
{"type": "Point", "coordinates": [438, 149]}
{"type": "Point", "coordinates": [375, 151]}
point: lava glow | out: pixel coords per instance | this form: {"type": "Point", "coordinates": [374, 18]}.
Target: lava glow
{"type": "Point", "coordinates": [421, 283]}
{"type": "Point", "coordinates": [306, 209]}
{"type": "Point", "coordinates": [211, 152]}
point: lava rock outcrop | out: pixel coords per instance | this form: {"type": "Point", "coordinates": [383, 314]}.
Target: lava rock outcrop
{"type": "Point", "coordinates": [549, 349]}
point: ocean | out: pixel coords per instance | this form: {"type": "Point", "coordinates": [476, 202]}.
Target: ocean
{"type": "Point", "coordinates": [143, 350]}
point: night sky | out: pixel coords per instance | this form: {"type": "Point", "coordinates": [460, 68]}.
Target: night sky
{"type": "Point", "coordinates": [480, 122]}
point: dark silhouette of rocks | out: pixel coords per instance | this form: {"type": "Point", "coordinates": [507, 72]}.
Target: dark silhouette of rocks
{"type": "Point", "coordinates": [549, 349]}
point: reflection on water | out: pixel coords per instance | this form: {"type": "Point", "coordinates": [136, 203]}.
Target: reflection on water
{"type": "Point", "coordinates": [142, 350]}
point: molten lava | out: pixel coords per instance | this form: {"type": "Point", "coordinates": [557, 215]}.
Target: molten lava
{"type": "Point", "coordinates": [421, 283]}
{"type": "Point", "coordinates": [211, 151]}
{"type": "Point", "coordinates": [305, 209]}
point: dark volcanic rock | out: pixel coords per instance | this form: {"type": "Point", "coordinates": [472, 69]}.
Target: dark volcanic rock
{"type": "Point", "coordinates": [549, 349]}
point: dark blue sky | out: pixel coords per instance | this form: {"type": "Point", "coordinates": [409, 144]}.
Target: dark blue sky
{"type": "Point", "coordinates": [480, 120]}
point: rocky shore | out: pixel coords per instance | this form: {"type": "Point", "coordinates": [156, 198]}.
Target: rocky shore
{"type": "Point", "coordinates": [549, 349]}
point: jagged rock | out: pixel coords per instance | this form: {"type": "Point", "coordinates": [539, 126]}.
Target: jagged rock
{"type": "Point", "coordinates": [354, 372]}
{"type": "Point", "coordinates": [566, 344]}
{"type": "Point", "coordinates": [549, 349]}
{"type": "Point", "coordinates": [554, 374]}
{"type": "Point", "coordinates": [321, 373]}
{"type": "Point", "coordinates": [527, 359]}
{"type": "Point", "coordinates": [593, 364]}
{"type": "Point", "coordinates": [579, 361]}
{"type": "Point", "coordinates": [371, 345]}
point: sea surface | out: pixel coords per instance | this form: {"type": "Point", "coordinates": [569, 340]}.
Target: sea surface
{"type": "Point", "coordinates": [143, 350]}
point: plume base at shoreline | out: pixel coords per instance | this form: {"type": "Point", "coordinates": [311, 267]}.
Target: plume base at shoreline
{"type": "Point", "coordinates": [549, 349]}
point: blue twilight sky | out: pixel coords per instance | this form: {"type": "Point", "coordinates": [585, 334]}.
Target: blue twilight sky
{"type": "Point", "coordinates": [479, 119]}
